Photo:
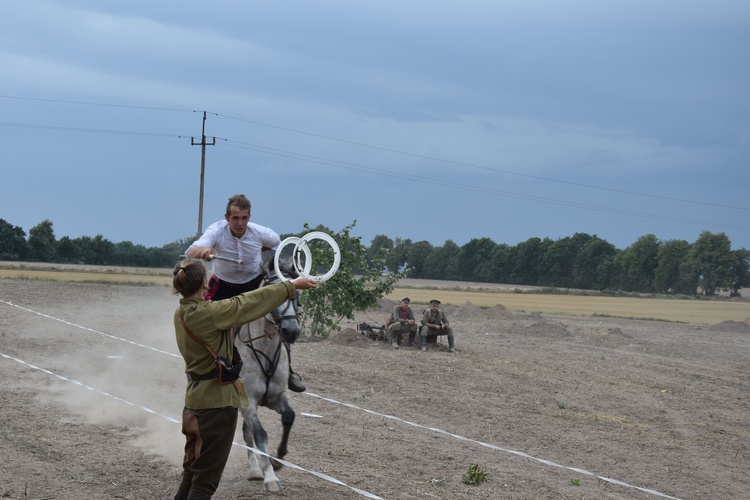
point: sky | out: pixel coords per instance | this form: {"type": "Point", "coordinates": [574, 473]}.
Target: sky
{"type": "Point", "coordinates": [422, 120]}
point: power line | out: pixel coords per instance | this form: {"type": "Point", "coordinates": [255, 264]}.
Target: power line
{"type": "Point", "coordinates": [468, 187]}
{"type": "Point", "coordinates": [355, 143]}
{"type": "Point", "coordinates": [481, 167]}
{"type": "Point", "coordinates": [83, 103]}
{"type": "Point", "coordinates": [88, 130]}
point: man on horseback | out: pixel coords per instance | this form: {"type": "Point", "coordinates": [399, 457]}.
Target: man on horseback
{"type": "Point", "coordinates": [243, 241]}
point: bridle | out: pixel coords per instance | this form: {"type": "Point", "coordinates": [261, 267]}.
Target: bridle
{"type": "Point", "coordinates": [275, 317]}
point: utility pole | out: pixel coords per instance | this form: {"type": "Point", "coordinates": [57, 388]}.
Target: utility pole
{"type": "Point", "coordinates": [203, 145]}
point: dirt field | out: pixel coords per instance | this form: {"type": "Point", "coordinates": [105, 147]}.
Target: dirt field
{"type": "Point", "coordinates": [548, 405]}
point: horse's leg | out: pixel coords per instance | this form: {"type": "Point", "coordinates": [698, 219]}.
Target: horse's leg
{"type": "Point", "coordinates": [248, 434]}
{"type": "Point", "coordinates": [287, 420]}
{"type": "Point", "coordinates": [260, 436]}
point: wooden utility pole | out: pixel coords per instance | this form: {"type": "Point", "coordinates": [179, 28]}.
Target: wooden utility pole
{"type": "Point", "coordinates": [203, 145]}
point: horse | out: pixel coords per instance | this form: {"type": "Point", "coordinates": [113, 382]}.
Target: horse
{"type": "Point", "coordinates": [265, 373]}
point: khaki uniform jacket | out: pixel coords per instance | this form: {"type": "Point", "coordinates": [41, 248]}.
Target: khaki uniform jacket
{"type": "Point", "coordinates": [212, 323]}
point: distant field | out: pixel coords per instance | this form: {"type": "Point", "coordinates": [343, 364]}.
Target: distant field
{"type": "Point", "coordinates": [422, 291]}
{"type": "Point", "coordinates": [707, 312]}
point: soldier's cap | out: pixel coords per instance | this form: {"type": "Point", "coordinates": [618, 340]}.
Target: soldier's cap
{"type": "Point", "coordinates": [435, 302]}
{"type": "Point", "coordinates": [406, 299]}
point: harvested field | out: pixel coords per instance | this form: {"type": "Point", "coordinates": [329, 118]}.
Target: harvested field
{"type": "Point", "coordinates": [551, 406]}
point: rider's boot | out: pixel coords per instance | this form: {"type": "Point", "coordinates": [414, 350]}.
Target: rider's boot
{"type": "Point", "coordinates": [295, 381]}
{"type": "Point", "coordinates": [394, 342]}
{"type": "Point", "coordinates": [451, 348]}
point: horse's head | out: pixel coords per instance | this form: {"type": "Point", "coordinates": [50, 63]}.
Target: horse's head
{"type": "Point", "coordinates": [286, 315]}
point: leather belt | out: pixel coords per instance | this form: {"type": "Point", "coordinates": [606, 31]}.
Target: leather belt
{"type": "Point", "coordinates": [192, 377]}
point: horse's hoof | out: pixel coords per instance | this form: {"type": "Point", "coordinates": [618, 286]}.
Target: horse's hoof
{"type": "Point", "coordinates": [272, 486]}
{"type": "Point", "coordinates": [276, 464]}
{"type": "Point", "coordinates": [255, 476]}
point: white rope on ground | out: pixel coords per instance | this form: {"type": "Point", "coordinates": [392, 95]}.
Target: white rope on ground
{"type": "Point", "coordinates": [175, 421]}
{"type": "Point", "coordinates": [391, 417]}
{"type": "Point", "coordinates": [91, 330]}
{"type": "Point", "coordinates": [491, 446]}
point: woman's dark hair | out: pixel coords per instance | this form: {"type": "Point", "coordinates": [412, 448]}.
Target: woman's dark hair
{"type": "Point", "coordinates": [189, 277]}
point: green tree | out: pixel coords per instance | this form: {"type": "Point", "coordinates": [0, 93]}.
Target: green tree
{"type": "Point", "coordinates": [396, 259]}
{"type": "Point", "coordinates": [501, 263]}
{"type": "Point", "coordinates": [104, 250]}
{"type": "Point", "coordinates": [346, 292]}
{"type": "Point", "coordinates": [126, 253]}
{"type": "Point", "coordinates": [711, 262]}
{"type": "Point", "coordinates": [42, 242]}
{"type": "Point", "coordinates": [526, 261]}
{"type": "Point", "coordinates": [67, 251]}
{"type": "Point", "coordinates": [638, 264]}
{"type": "Point", "coordinates": [378, 243]}
{"type": "Point", "coordinates": [667, 275]}
{"type": "Point", "coordinates": [594, 265]}
{"type": "Point", "coordinates": [474, 260]}
{"type": "Point", "coordinates": [13, 244]}
{"type": "Point", "coordinates": [559, 260]}
{"type": "Point", "coordinates": [741, 271]}
{"type": "Point", "coordinates": [418, 255]}
{"type": "Point", "coordinates": [441, 263]}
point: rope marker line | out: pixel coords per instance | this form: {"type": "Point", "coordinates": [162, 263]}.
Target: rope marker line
{"type": "Point", "coordinates": [491, 446]}
{"type": "Point", "coordinates": [391, 417]}
{"type": "Point", "coordinates": [91, 330]}
{"type": "Point", "coordinates": [175, 421]}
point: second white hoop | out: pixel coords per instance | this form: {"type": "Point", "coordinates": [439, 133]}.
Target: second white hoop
{"type": "Point", "coordinates": [302, 248]}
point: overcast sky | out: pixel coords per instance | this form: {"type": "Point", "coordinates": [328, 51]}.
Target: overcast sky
{"type": "Point", "coordinates": [428, 120]}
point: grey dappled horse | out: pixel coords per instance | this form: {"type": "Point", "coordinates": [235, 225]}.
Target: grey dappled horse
{"type": "Point", "coordinates": [265, 374]}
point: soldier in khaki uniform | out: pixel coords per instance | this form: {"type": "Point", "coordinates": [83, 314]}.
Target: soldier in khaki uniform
{"type": "Point", "coordinates": [402, 320]}
{"type": "Point", "coordinates": [203, 330]}
{"type": "Point", "coordinates": [434, 322]}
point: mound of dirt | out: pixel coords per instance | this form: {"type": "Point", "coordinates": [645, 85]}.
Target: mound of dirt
{"type": "Point", "coordinates": [351, 337]}
{"type": "Point", "coordinates": [386, 306]}
{"type": "Point", "coordinates": [542, 329]}
{"type": "Point", "coordinates": [731, 327]}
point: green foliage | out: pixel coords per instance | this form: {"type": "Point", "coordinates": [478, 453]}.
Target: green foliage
{"type": "Point", "coordinates": [711, 262]}
{"type": "Point", "coordinates": [575, 482]}
{"type": "Point", "coordinates": [581, 261]}
{"type": "Point", "coordinates": [346, 292]}
{"type": "Point", "coordinates": [42, 242]}
{"type": "Point", "coordinates": [475, 475]}
{"type": "Point", "coordinates": [13, 245]}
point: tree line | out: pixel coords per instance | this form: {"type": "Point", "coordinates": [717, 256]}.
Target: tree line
{"type": "Point", "coordinates": [581, 261]}
{"type": "Point", "coordinates": [706, 266]}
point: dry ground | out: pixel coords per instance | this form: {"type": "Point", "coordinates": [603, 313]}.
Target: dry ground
{"type": "Point", "coordinates": [654, 405]}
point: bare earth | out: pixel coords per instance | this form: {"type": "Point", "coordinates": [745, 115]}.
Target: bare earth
{"type": "Point", "coordinates": [548, 406]}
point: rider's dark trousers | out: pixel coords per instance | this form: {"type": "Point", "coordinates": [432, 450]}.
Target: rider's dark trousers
{"type": "Point", "coordinates": [208, 439]}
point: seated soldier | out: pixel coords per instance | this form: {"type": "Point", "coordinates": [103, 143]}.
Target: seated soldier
{"type": "Point", "coordinates": [402, 320]}
{"type": "Point", "coordinates": [434, 322]}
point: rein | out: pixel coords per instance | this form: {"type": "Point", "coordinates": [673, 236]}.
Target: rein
{"type": "Point", "coordinates": [265, 334]}
{"type": "Point", "coordinates": [268, 363]}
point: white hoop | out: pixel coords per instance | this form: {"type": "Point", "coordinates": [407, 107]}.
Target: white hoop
{"type": "Point", "coordinates": [301, 246]}
{"type": "Point", "coordinates": [295, 260]}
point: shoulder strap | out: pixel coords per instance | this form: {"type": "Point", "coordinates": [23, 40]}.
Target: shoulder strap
{"type": "Point", "coordinates": [187, 330]}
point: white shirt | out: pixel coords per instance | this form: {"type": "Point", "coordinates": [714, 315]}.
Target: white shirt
{"type": "Point", "coordinates": [248, 248]}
